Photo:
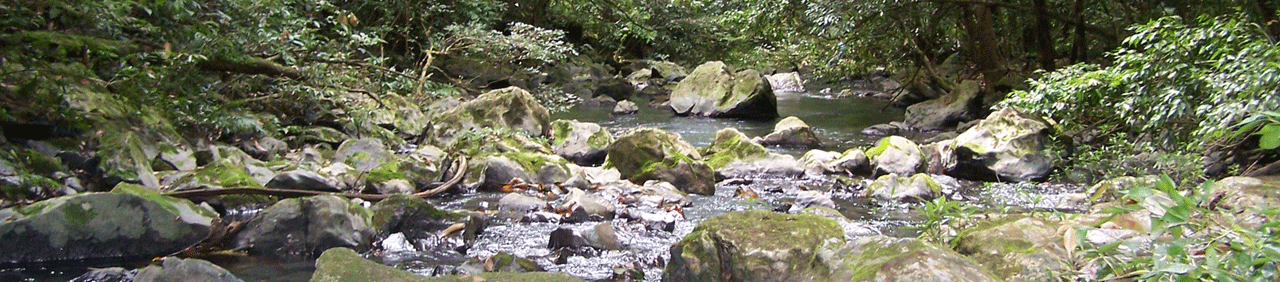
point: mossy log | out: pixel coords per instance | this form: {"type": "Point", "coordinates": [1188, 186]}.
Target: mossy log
{"type": "Point", "coordinates": [250, 65]}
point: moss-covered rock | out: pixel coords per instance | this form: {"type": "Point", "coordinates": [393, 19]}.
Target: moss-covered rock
{"type": "Point", "coordinates": [416, 218]}
{"type": "Point", "coordinates": [754, 246]}
{"type": "Point", "coordinates": [902, 188]}
{"type": "Point", "coordinates": [897, 155]}
{"type": "Point", "coordinates": [343, 264]}
{"type": "Point", "coordinates": [959, 105]}
{"type": "Point", "coordinates": [1016, 248]}
{"type": "Point", "coordinates": [882, 258]}
{"type": "Point", "coordinates": [1006, 146]}
{"type": "Point", "coordinates": [508, 108]}
{"type": "Point", "coordinates": [652, 154]}
{"type": "Point", "coordinates": [582, 143]}
{"type": "Point", "coordinates": [219, 174]}
{"type": "Point", "coordinates": [716, 91]}
{"type": "Point", "coordinates": [305, 227]}
{"type": "Point", "coordinates": [731, 145]}
{"type": "Point", "coordinates": [321, 134]}
{"type": "Point", "coordinates": [791, 131]}
{"type": "Point", "coordinates": [129, 223]}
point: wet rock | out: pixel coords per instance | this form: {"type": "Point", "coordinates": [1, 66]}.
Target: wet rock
{"type": "Point", "coordinates": [791, 131]}
{"type": "Point", "coordinates": [961, 104]}
{"type": "Point", "coordinates": [652, 154]}
{"type": "Point", "coordinates": [807, 198]}
{"type": "Point", "coordinates": [731, 145]}
{"type": "Point", "coordinates": [603, 236]}
{"type": "Point", "coordinates": [617, 88]}
{"type": "Point", "coordinates": [815, 161]}
{"type": "Point", "coordinates": [305, 227]}
{"type": "Point", "coordinates": [771, 166]}
{"type": "Point", "coordinates": [500, 170]}
{"type": "Point", "coordinates": [653, 219]}
{"type": "Point", "coordinates": [882, 258]}
{"type": "Point", "coordinates": [883, 129]}
{"type": "Point", "coordinates": [713, 90]}
{"type": "Point", "coordinates": [653, 193]}
{"type": "Point", "coordinates": [417, 219]}
{"type": "Point", "coordinates": [1006, 146]}
{"type": "Point", "coordinates": [343, 264]}
{"type": "Point", "coordinates": [786, 82]}
{"type": "Point", "coordinates": [511, 108]}
{"type": "Point", "coordinates": [544, 217]}
{"type": "Point", "coordinates": [746, 246]}
{"type": "Point", "coordinates": [918, 187]}
{"type": "Point", "coordinates": [582, 143]}
{"type": "Point", "coordinates": [520, 203]}
{"type": "Point", "coordinates": [177, 269]}
{"type": "Point", "coordinates": [625, 108]}
{"type": "Point", "coordinates": [110, 274]}
{"type": "Point", "coordinates": [302, 180]}
{"type": "Point", "coordinates": [589, 203]}
{"type": "Point", "coordinates": [896, 155]}
{"type": "Point", "coordinates": [1016, 248]}
{"type": "Point", "coordinates": [565, 238]}
{"type": "Point", "coordinates": [264, 148]}
{"type": "Point", "coordinates": [174, 158]}
{"type": "Point", "coordinates": [129, 223]}
{"type": "Point", "coordinates": [852, 160]}
{"type": "Point", "coordinates": [394, 186]}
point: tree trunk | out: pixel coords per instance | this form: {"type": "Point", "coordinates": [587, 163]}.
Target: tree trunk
{"type": "Point", "coordinates": [983, 48]}
{"type": "Point", "coordinates": [1079, 46]}
{"type": "Point", "coordinates": [1044, 41]}
{"type": "Point", "coordinates": [1267, 13]}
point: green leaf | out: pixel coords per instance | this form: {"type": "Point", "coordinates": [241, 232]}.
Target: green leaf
{"type": "Point", "coordinates": [1270, 136]}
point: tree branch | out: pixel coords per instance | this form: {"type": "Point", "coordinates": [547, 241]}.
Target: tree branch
{"type": "Point", "coordinates": [1106, 34]}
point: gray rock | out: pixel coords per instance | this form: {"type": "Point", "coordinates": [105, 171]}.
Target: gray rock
{"type": "Point", "coordinates": [417, 220]}
{"type": "Point", "coordinates": [625, 108]}
{"type": "Point", "coordinates": [322, 135]}
{"type": "Point", "coordinates": [264, 148]}
{"type": "Point", "coordinates": [713, 90]}
{"type": "Point", "coordinates": [603, 236]}
{"type": "Point", "coordinates": [852, 160]}
{"type": "Point", "coordinates": [897, 188]}
{"type": "Point", "coordinates": [1006, 146]}
{"type": "Point", "coordinates": [589, 203]}
{"type": "Point", "coordinates": [302, 180]}
{"type": "Point", "coordinates": [174, 158]}
{"type": "Point", "coordinates": [786, 82]}
{"type": "Point", "coordinates": [520, 203]}
{"type": "Point", "coordinates": [808, 198]}
{"type": "Point", "coordinates": [1038, 250]}
{"type": "Point", "coordinates": [896, 155]}
{"type": "Point", "coordinates": [110, 274]}
{"type": "Point", "coordinates": [305, 227]}
{"type": "Point", "coordinates": [883, 258]}
{"type": "Point", "coordinates": [512, 108]}
{"type": "Point", "coordinates": [652, 154]}
{"type": "Point", "coordinates": [815, 161]}
{"type": "Point", "coordinates": [176, 270]}
{"type": "Point", "coordinates": [882, 129]}
{"type": "Point", "coordinates": [131, 222]}
{"type": "Point", "coordinates": [617, 88]}
{"type": "Point", "coordinates": [394, 186]}
{"type": "Point", "coordinates": [640, 78]}
{"type": "Point", "coordinates": [499, 170]}
{"type": "Point", "coordinates": [961, 104]}
{"type": "Point", "coordinates": [365, 154]}
{"type": "Point", "coordinates": [791, 131]}
{"type": "Point", "coordinates": [754, 246]}
{"type": "Point", "coordinates": [582, 143]}
{"type": "Point", "coordinates": [771, 166]}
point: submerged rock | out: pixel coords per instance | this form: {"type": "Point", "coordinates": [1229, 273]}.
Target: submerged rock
{"type": "Point", "coordinates": [1006, 146]}
{"type": "Point", "coordinates": [715, 91]}
{"type": "Point", "coordinates": [652, 154]}
{"type": "Point", "coordinates": [305, 227]}
{"type": "Point", "coordinates": [129, 223]}
{"type": "Point", "coordinates": [582, 143]}
{"type": "Point", "coordinates": [896, 155]}
{"type": "Point", "coordinates": [754, 246]}
{"type": "Point", "coordinates": [791, 131]}
{"type": "Point", "coordinates": [178, 269]}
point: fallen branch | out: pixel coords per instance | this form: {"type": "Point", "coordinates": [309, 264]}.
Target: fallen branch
{"type": "Point", "coordinates": [250, 65]}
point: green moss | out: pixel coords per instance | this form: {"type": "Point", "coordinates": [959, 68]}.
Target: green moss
{"type": "Point", "coordinates": [79, 215]}
{"type": "Point", "coordinates": [388, 171]}
{"type": "Point", "coordinates": [599, 139]}
{"type": "Point", "coordinates": [559, 131]}
{"type": "Point", "coordinates": [39, 163]}
{"type": "Point", "coordinates": [226, 173]}
{"type": "Point", "coordinates": [731, 145]}
{"type": "Point", "coordinates": [881, 145]}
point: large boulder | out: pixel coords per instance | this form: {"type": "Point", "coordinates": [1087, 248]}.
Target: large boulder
{"type": "Point", "coordinates": [343, 264]}
{"type": "Point", "coordinates": [754, 246]}
{"type": "Point", "coordinates": [896, 155]}
{"type": "Point", "coordinates": [714, 90]}
{"type": "Point", "coordinates": [786, 82]}
{"type": "Point", "coordinates": [1016, 248]}
{"type": "Point", "coordinates": [883, 258]}
{"type": "Point", "coordinates": [129, 223]}
{"type": "Point", "coordinates": [416, 219]}
{"type": "Point", "coordinates": [732, 155]}
{"type": "Point", "coordinates": [901, 188]}
{"type": "Point", "coordinates": [305, 227]}
{"type": "Point", "coordinates": [1006, 146]}
{"type": "Point", "coordinates": [177, 269]}
{"type": "Point", "coordinates": [961, 104]}
{"type": "Point", "coordinates": [791, 131]}
{"type": "Point", "coordinates": [494, 172]}
{"type": "Point", "coordinates": [510, 108]}
{"type": "Point", "coordinates": [582, 143]}
{"type": "Point", "coordinates": [652, 154]}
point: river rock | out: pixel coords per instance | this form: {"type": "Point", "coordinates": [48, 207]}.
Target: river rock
{"type": "Point", "coordinates": [791, 131]}
{"type": "Point", "coordinates": [305, 227]}
{"type": "Point", "coordinates": [883, 129]}
{"type": "Point", "coordinates": [174, 158]}
{"type": "Point", "coordinates": [896, 155]}
{"type": "Point", "coordinates": [520, 203]}
{"type": "Point", "coordinates": [302, 180]}
{"type": "Point", "coordinates": [617, 88]}
{"type": "Point", "coordinates": [582, 143]}
{"type": "Point", "coordinates": [1006, 146]}
{"type": "Point", "coordinates": [110, 274]}
{"type": "Point", "coordinates": [851, 161]}
{"type": "Point", "coordinates": [511, 108]}
{"type": "Point", "coordinates": [178, 269]}
{"type": "Point", "coordinates": [714, 90]}
{"type": "Point", "coordinates": [753, 246]}
{"type": "Point", "coordinates": [883, 258]}
{"type": "Point", "coordinates": [731, 145]}
{"type": "Point", "coordinates": [918, 187]}
{"type": "Point", "coordinates": [961, 104]}
{"type": "Point", "coordinates": [815, 161]}
{"type": "Point", "coordinates": [417, 219]}
{"type": "Point", "coordinates": [625, 108]}
{"type": "Point", "coordinates": [129, 223]}
{"type": "Point", "coordinates": [391, 111]}
{"type": "Point", "coordinates": [810, 198]}
{"type": "Point", "coordinates": [640, 78]}
{"type": "Point", "coordinates": [654, 194]}
{"type": "Point", "coordinates": [500, 170]}
{"type": "Point", "coordinates": [219, 174]}
{"type": "Point", "coordinates": [1242, 198]}
{"type": "Point", "coordinates": [786, 82]}
{"type": "Point", "coordinates": [589, 203]}
{"type": "Point", "coordinates": [1016, 248]}
{"type": "Point", "coordinates": [851, 229]}
{"type": "Point", "coordinates": [322, 135]}
{"type": "Point", "coordinates": [264, 148]}
{"type": "Point", "coordinates": [652, 154]}
{"type": "Point", "coordinates": [603, 236]}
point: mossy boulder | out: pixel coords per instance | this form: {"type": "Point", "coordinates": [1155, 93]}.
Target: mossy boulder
{"type": "Point", "coordinates": [732, 145]}
{"type": "Point", "coordinates": [492, 172]}
{"type": "Point", "coordinates": [129, 223]}
{"type": "Point", "coordinates": [1006, 146]}
{"type": "Point", "coordinates": [883, 258]}
{"type": "Point", "coordinates": [418, 219]}
{"type": "Point", "coordinates": [652, 154]}
{"type": "Point", "coordinates": [897, 155]}
{"type": "Point", "coordinates": [509, 108]}
{"type": "Point", "coordinates": [321, 135]}
{"type": "Point", "coordinates": [754, 246]}
{"type": "Point", "coordinates": [305, 227]}
{"type": "Point", "coordinates": [179, 269]}
{"type": "Point", "coordinates": [902, 188]}
{"type": "Point", "coordinates": [343, 264]}
{"type": "Point", "coordinates": [219, 174]}
{"type": "Point", "coordinates": [368, 157]}
{"type": "Point", "coordinates": [959, 105]}
{"type": "Point", "coordinates": [714, 90]}
{"type": "Point", "coordinates": [791, 131]}
{"type": "Point", "coordinates": [1016, 248]}
{"type": "Point", "coordinates": [583, 143]}
{"type": "Point", "coordinates": [391, 111]}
